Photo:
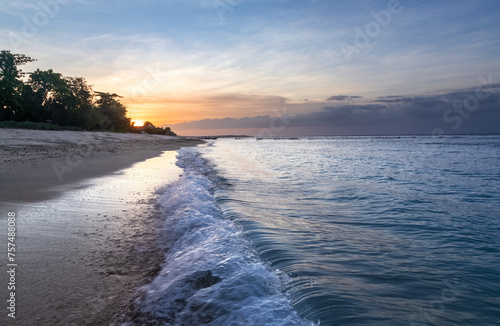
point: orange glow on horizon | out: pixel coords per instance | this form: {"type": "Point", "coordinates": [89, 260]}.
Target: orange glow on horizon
{"type": "Point", "coordinates": [168, 111]}
{"type": "Point", "coordinates": [138, 123]}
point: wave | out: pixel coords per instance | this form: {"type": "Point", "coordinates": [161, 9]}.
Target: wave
{"type": "Point", "coordinates": [212, 274]}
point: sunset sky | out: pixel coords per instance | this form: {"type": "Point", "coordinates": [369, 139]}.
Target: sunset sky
{"type": "Point", "coordinates": [207, 67]}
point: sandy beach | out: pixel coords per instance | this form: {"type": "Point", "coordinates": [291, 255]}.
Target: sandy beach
{"type": "Point", "coordinates": [40, 161]}
{"type": "Point", "coordinates": [85, 221]}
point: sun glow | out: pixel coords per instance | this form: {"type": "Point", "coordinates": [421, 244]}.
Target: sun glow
{"type": "Point", "coordinates": [138, 123]}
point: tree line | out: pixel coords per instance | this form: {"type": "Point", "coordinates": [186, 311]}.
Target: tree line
{"type": "Point", "coordinates": [47, 96]}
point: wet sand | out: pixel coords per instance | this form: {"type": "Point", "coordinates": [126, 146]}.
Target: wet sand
{"type": "Point", "coordinates": [86, 222]}
{"type": "Point", "coordinates": [38, 165]}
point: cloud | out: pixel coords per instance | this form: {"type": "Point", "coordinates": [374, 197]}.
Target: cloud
{"type": "Point", "coordinates": [226, 123]}
{"type": "Point", "coordinates": [342, 97]}
{"type": "Point", "coordinates": [173, 66]}
{"type": "Point", "coordinates": [460, 112]}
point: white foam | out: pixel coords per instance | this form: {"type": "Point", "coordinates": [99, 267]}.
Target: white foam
{"type": "Point", "coordinates": [212, 274]}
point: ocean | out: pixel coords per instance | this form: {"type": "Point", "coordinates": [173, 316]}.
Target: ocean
{"type": "Point", "coordinates": [330, 231]}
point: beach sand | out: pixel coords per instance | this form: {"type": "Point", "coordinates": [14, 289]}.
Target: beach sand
{"type": "Point", "coordinates": [86, 223]}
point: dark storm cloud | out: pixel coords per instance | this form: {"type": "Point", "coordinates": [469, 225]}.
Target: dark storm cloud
{"type": "Point", "coordinates": [342, 97]}
{"type": "Point", "coordinates": [227, 123]}
{"type": "Point", "coordinates": [471, 111]}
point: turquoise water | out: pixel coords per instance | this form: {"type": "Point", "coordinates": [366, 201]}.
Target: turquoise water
{"type": "Point", "coordinates": [332, 231]}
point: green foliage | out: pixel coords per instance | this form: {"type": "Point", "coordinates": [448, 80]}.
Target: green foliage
{"type": "Point", "coordinates": [88, 114]}
{"type": "Point", "coordinates": [114, 113]}
{"type": "Point", "coordinates": [29, 125]}
{"type": "Point", "coordinates": [150, 128]}
{"type": "Point", "coordinates": [51, 92]}
{"type": "Point", "coordinates": [48, 100]}
{"type": "Point", "coordinates": [10, 85]}
{"type": "Point", "coordinates": [36, 125]}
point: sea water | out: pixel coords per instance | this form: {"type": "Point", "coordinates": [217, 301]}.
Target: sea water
{"type": "Point", "coordinates": [331, 231]}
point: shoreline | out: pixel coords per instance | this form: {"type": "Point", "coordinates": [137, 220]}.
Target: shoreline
{"type": "Point", "coordinates": [85, 243]}
{"type": "Point", "coordinates": [42, 164]}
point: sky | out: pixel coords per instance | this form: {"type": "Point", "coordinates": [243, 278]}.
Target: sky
{"type": "Point", "coordinates": [276, 67]}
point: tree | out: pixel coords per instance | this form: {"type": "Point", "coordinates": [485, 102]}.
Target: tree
{"type": "Point", "coordinates": [87, 115]}
{"type": "Point", "coordinates": [150, 128]}
{"type": "Point", "coordinates": [66, 101]}
{"type": "Point", "coordinates": [10, 85]}
{"type": "Point", "coordinates": [63, 100]}
{"type": "Point", "coordinates": [114, 113]}
{"type": "Point", "coordinates": [52, 94]}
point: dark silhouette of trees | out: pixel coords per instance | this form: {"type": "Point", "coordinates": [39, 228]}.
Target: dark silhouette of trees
{"type": "Point", "coordinates": [48, 96]}
{"type": "Point", "coordinates": [11, 86]}
{"type": "Point", "coordinates": [53, 98]}
{"type": "Point", "coordinates": [150, 128]}
{"type": "Point", "coordinates": [113, 112]}
{"type": "Point", "coordinates": [88, 114]}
